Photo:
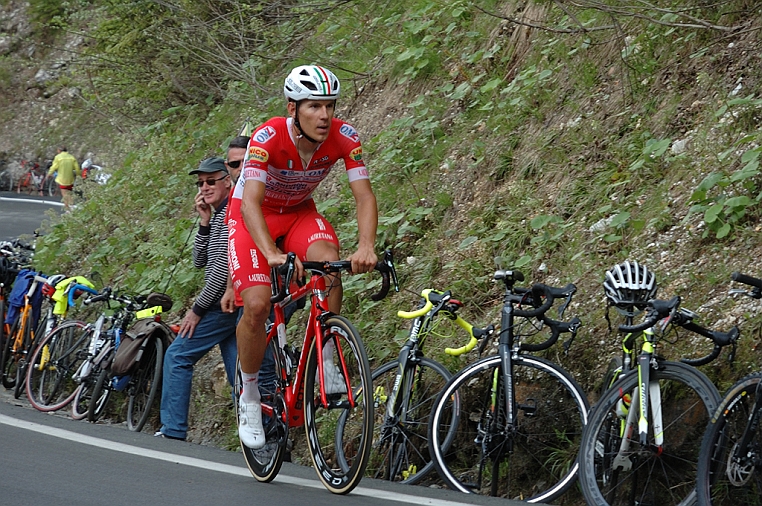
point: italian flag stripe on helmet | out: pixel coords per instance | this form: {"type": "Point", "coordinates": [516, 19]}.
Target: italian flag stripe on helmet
{"type": "Point", "coordinates": [324, 80]}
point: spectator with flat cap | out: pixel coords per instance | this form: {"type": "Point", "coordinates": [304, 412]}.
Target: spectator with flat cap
{"type": "Point", "coordinates": [206, 324]}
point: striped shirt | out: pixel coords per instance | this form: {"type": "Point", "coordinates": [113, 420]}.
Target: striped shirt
{"type": "Point", "coordinates": [210, 251]}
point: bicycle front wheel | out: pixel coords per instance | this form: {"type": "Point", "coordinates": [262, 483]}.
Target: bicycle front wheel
{"type": "Point", "coordinates": [340, 458]}
{"type": "Point", "coordinates": [50, 381]}
{"type": "Point", "coordinates": [730, 466]}
{"type": "Point", "coordinates": [400, 450]}
{"type": "Point", "coordinates": [100, 395]}
{"type": "Point", "coordinates": [615, 469]}
{"type": "Point", "coordinates": [145, 384]}
{"type": "Point", "coordinates": [536, 459]}
{"type": "Point", "coordinates": [53, 189]}
{"type": "Point", "coordinates": [23, 354]}
{"type": "Point", "coordinates": [9, 358]}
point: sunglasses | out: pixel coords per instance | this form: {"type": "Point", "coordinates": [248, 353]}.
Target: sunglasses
{"type": "Point", "coordinates": [234, 164]}
{"type": "Point", "coordinates": [210, 182]}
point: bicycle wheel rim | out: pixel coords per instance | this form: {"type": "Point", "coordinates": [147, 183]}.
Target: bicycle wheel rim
{"type": "Point", "coordinates": [339, 461]}
{"type": "Point", "coordinates": [144, 385]}
{"type": "Point", "coordinates": [400, 449]}
{"type": "Point", "coordinates": [50, 384]}
{"type": "Point", "coordinates": [724, 479]}
{"type": "Point", "coordinates": [648, 475]}
{"type": "Point", "coordinates": [265, 463]}
{"type": "Point", "coordinates": [539, 462]}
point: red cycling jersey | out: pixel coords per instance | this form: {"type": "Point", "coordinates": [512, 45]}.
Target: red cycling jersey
{"type": "Point", "coordinates": [273, 159]}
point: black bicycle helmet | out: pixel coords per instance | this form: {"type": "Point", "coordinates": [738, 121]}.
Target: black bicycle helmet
{"type": "Point", "coordinates": [629, 284]}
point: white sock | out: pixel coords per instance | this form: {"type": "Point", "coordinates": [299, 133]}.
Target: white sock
{"type": "Point", "coordinates": [250, 392]}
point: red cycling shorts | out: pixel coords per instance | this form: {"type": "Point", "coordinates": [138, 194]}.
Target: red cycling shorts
{"type": "Point", "coordinates": [66, 186]}
{"type": "Point", "coordinates": [294, 230]}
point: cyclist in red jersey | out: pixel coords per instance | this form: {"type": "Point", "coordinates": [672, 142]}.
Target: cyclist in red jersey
{"type": "Point", "coordinates": [272, 202]}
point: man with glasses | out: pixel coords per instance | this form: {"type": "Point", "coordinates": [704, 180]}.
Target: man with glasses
{"type": "Point", "coordinates": [206, 324]}
{"type": "Point", "coordinates": [236, 154]}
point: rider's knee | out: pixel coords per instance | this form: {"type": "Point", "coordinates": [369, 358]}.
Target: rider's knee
{"type": "Point", "coordinates": [256, 310]}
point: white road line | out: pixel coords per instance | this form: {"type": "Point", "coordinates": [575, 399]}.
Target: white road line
{"type": "Point", "coordinates": [46, 202]}
{"type": "Point", "coordinates": [208, 465]}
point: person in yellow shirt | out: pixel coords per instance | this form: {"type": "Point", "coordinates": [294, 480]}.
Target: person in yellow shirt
{"type": "Point", "coordinates": [68, 169]}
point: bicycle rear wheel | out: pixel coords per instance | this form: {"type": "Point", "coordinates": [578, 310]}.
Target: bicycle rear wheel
{"type": "Point", "coordinates": [726, 479]}
{"type": "Point", "coordinates": [50, 381]}
{"type": "Point", "coordinates": [340, 458]}
{"type": "Point", "coordinates": [144, 384]}
{"type": "Point", "coordinates": [536, 460]}
{"type": "Point", "coordinates": [615, 469]}
{"type": "Point", "coordinates": [400, 450]}
{"type": "Point", "coordinates": [266, 462]}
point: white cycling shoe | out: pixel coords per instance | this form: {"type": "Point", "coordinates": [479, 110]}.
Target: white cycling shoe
{"type": "Point", "coordinates": [250, 429]}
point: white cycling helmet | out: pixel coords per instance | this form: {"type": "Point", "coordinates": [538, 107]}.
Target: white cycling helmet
{"type": "Point", "coordinates": [311, 82]}
{"type": "Point", "coordinates": [629, 284]}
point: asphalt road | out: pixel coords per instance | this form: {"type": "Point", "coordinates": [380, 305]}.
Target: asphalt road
{"type": "Point", "coordinates": [22, 214]}
{"type": "Point", "coordinates": [53, 460]}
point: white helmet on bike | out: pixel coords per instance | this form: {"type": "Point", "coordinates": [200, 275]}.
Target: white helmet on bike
{"type": "Point", "coordinates": [629, 284]}
{"type": "Point", "coordinates": [311, 82]}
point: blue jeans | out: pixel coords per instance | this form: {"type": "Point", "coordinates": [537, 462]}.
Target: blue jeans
{"type": "Point", "coordinates": [214, 328]}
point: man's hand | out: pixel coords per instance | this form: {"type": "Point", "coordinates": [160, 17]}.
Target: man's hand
{"type": "Point", "coordinates": [280, 258]}
{"type": "Point", "coordinates": [363, 260]}
{"type": "Point", "coordinates": [188, 324]}
{"type": "Point", "coordinates": [204, 210]}
{"type": "Point", "coordinates": [227, 302]}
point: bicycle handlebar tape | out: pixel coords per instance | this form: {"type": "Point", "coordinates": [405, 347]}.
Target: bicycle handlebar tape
{"type": "Point", "coordinates": [747, 280]}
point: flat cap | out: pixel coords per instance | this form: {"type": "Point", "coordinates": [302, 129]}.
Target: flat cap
{"type": "Point", "coordinates": [214, 164]}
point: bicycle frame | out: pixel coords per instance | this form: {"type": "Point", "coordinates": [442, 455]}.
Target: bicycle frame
{"type": "Point", "coordinates": [294, 392]}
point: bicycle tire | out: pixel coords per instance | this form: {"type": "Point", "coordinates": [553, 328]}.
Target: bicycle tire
{"type": "Point", "coordinates": [26, 350]}
{"type": "Point", "coordinates": [400, 449]}
{"type": "Point", "coordinates": [100, 396]}
{"type": "Point", "coordinates": [145, 383]}
{"type": "Point", "coordinates": [542, 463]}
{"type": "Point", "coordinates": [265, 463]}
{"type": "Point", "coordinates": [50, 383]}
{"type": "Point", "coordinates": [721, 480]}
{"type": "Point", "coordinates": [80, 405]}
{"type": "Point", "coordinates": [54, 190]}
{"type": "Point", "coordinates": [9, 364]}
{"type": "Point", "coordinates": [339, 475]}
{"type": "Point", "coordinates": [688, 399]}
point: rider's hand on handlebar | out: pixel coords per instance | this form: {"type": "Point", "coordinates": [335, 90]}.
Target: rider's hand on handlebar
{"type": "Point", "coordinates": [363, 260]}
{"type": "Point", "coordinates": [281, 258]}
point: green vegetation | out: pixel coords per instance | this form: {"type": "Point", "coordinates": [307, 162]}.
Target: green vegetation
{"type": "Point", "coordinates": [521, 133]}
